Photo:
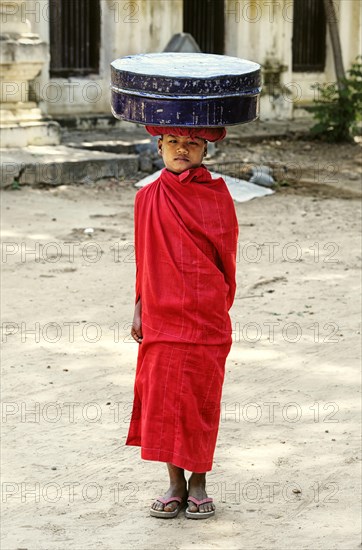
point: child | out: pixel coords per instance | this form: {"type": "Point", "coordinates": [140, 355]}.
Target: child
{"type": "Point", "coordinates": [186, 233]}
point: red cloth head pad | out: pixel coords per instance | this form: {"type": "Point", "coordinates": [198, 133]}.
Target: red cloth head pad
{"type": "Point", "coordinates": [210, 134]}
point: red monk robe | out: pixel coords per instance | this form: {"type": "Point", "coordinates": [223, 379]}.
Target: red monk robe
{"type": "Point", "coordinates": [186, 233]}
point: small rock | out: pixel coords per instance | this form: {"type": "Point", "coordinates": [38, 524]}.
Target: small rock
{"type": "Point", "coordinates": [159, 164]}
{"type": "Point", "coordinates": [211, 149]}
{"type": "Point", "coordinates": [147, 148]}
{"type": "Point", "coordinates": [262, 179]}
{"type": "Point", "coordinates": [146, 164]}
{"type": "Point", "coordinates": [261, 168]}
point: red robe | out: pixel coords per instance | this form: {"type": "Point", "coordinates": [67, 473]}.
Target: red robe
{"type": "Point", "coordinates": [186, 233]}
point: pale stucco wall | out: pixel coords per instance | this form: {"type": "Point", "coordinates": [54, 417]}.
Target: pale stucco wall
{"type": "Point", "coordinates": [126, 28]}
{"type": "Point", "coordinates": [254, 29]}
{"type": "Point", "coordinates": [263, 29]}
{"type": "Point", "coordinates": [349, 17]}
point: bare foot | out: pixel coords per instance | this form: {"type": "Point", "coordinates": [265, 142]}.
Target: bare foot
{"type": "Point", "coordinates": [197, 489]}
{"type": "Point", "coordinates": [173, 491]}
{"type": "Point", "coordinates": [178, 488]}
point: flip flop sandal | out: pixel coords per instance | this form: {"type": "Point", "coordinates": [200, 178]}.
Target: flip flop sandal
{"type": "Point", "coordinates": [165, 501]}
{"type": "Point", "coordinates": [199, 515]}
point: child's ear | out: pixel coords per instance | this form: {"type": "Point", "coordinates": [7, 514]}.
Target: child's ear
{"type": "Point", "coordinates": [159, 146]}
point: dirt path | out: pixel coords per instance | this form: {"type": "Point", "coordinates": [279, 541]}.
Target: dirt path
{"type": "Point", "coordinates": [287, 462]}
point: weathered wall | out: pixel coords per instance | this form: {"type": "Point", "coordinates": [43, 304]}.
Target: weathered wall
{"type": "Point", "coordinates": [262, 30]}
{"type": "Point", "coordinates": [349, 16]}
{"type": "Point", "coordinates": [259, 30]}
{"type": "Point", "coordinates": [126, 28]}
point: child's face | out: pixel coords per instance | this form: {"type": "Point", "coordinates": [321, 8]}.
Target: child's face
{"type": "Point", "coordinates": [181, 153]}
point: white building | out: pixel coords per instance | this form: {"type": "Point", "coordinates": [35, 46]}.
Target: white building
{"type": "Point", "coordinates": [289, 38]}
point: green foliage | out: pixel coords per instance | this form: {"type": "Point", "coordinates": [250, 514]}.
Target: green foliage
{"type": "Point", "coordinates": [338, 110]}
{"type": "Point", "coordinates": [15, 186]}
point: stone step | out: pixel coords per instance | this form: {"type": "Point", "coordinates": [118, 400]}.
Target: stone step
{"type": "Point", "coordinates": [257, 131]}
{"type": "Point", "coordinates": [56, 165]}
{"type": "Point", "coordinates": [110, 146]}
{"type": "Point", "coordinates": [21, 134]}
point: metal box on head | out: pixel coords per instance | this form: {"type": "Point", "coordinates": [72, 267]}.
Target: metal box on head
{"type": "Point", "coordinates": [185, 89]}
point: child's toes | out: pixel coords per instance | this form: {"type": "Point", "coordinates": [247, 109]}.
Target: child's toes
{"type": "Point", "coordinates": [192, 507]}
{"type": "Point", "coordinates": [170, 507]}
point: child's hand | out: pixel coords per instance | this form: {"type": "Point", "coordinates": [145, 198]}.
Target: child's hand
{"type": "Point", "coordinates": [136, 330]}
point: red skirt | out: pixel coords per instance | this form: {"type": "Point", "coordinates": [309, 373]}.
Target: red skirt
{"type": "Point", "coordinates": [177, 397]}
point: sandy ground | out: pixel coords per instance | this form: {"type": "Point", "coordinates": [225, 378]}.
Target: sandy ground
{"type": "Point", "coordinates": [287, 463]}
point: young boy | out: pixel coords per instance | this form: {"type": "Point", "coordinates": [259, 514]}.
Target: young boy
{"type": "Point", "coordinates": [186, 233]}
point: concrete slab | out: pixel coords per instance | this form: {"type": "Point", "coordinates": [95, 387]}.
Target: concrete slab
{"type": "Point", "coordinates": [40, 132]}
{"type": "Point", "coordinates": [110, 146]}
{"type": "Point", "coordinates": [240, 190]}
{"type": "Point", "coordinates": [57, 165]}
{"type": "Point", "coordinates": [274, 129]}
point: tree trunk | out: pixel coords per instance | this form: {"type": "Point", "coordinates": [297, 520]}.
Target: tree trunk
{"type": "Point", "coordinates": [332, 22]}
